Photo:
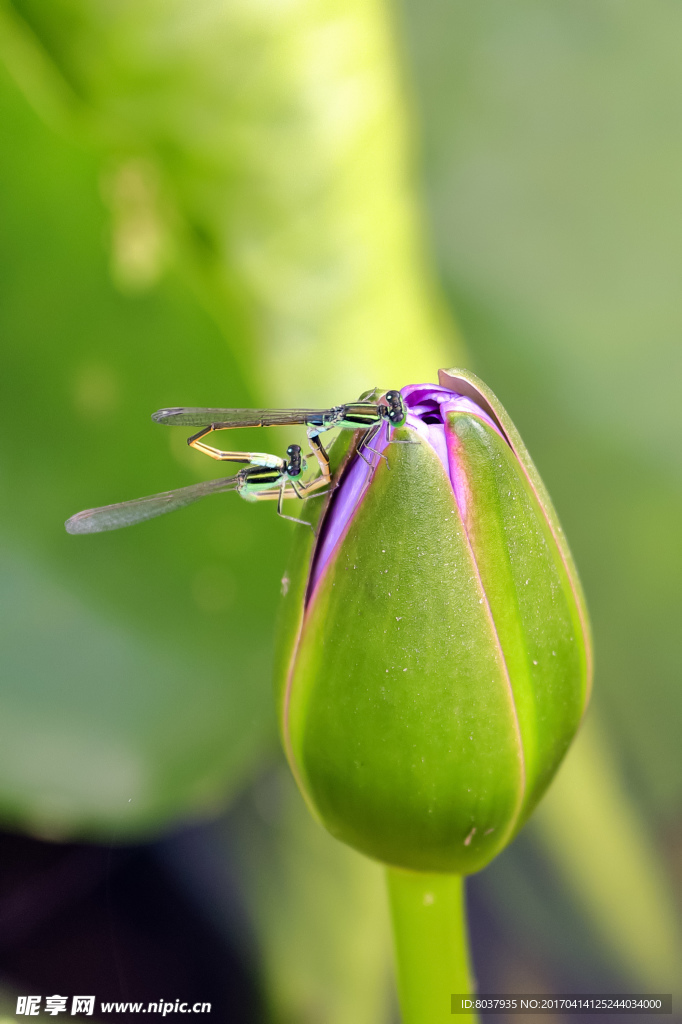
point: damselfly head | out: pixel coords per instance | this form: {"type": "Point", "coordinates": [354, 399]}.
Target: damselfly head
{"type": "Point", "coordinates": [396, 410]}
{"type": "Point", "coordinates": [296, 464]}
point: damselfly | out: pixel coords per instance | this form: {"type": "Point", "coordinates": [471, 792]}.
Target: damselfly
{"type": "Point", "coordinates": [267, 477]}
{"type": "Point", "coordinates": [367, 416]}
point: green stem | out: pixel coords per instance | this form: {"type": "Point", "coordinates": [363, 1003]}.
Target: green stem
{"type": "Point", "coordinates": [430, 934]}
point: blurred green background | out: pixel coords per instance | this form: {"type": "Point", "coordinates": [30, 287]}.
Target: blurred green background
{"type": "Point", "coordinates": [212, 203]}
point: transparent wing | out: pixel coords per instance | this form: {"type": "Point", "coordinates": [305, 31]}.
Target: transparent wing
{"type": "Point", "coordinates": [238, 417]}
{"type": "Point", "coordinates": [126, 513]}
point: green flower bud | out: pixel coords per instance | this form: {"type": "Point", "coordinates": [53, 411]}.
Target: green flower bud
{"type": "Point", "coordinates": [435, 656]}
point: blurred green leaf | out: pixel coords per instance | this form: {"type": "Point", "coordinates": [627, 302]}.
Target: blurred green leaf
{"type": "Point", "coordinates": [321, 911]}
{"type": "Point", "coordinates": [592, 830]}
{"type": "Point", "coordinates": [281, 139]}
{"type": "Point", "coordinates": [127, 652]}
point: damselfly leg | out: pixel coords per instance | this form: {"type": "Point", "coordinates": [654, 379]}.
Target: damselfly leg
{"type": "Point", "coordinates": [301, 491]}
{"type": "Point", "coordinates": [371, 434]}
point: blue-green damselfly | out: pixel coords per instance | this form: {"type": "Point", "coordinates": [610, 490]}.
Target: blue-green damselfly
{"type": "Point", "coordinates": [266, 477]}
{"type": "Point", "coordinates": [361, 415]}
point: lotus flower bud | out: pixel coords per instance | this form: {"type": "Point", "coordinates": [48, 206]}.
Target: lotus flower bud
{"type": "Point", "coordinates": [435, 662]}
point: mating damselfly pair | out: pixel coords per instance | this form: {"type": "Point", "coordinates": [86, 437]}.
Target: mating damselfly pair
{"type": "Point", "coordinates": [266, 476]}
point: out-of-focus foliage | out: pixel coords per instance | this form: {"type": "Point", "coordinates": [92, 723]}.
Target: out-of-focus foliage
{"type": "Point", "coordinates": [220, 214]}
{"type": "Point", "coordinates": [596, 839]}
{"type": "Point", "coordinates": [281, 147]}
{"type": "Point", "coordinates": [126, 691]}
{"type": "Point", "coordinates": [320, 910]}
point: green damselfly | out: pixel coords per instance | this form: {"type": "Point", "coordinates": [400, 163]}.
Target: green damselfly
{"type": "Point", "coordinates": [267, 477]}
{"type": "Point", "coordinates": [361, 415]}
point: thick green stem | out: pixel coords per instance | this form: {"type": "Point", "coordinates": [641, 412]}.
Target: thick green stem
{"type": "Point", "coordinates": [432, 951]}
